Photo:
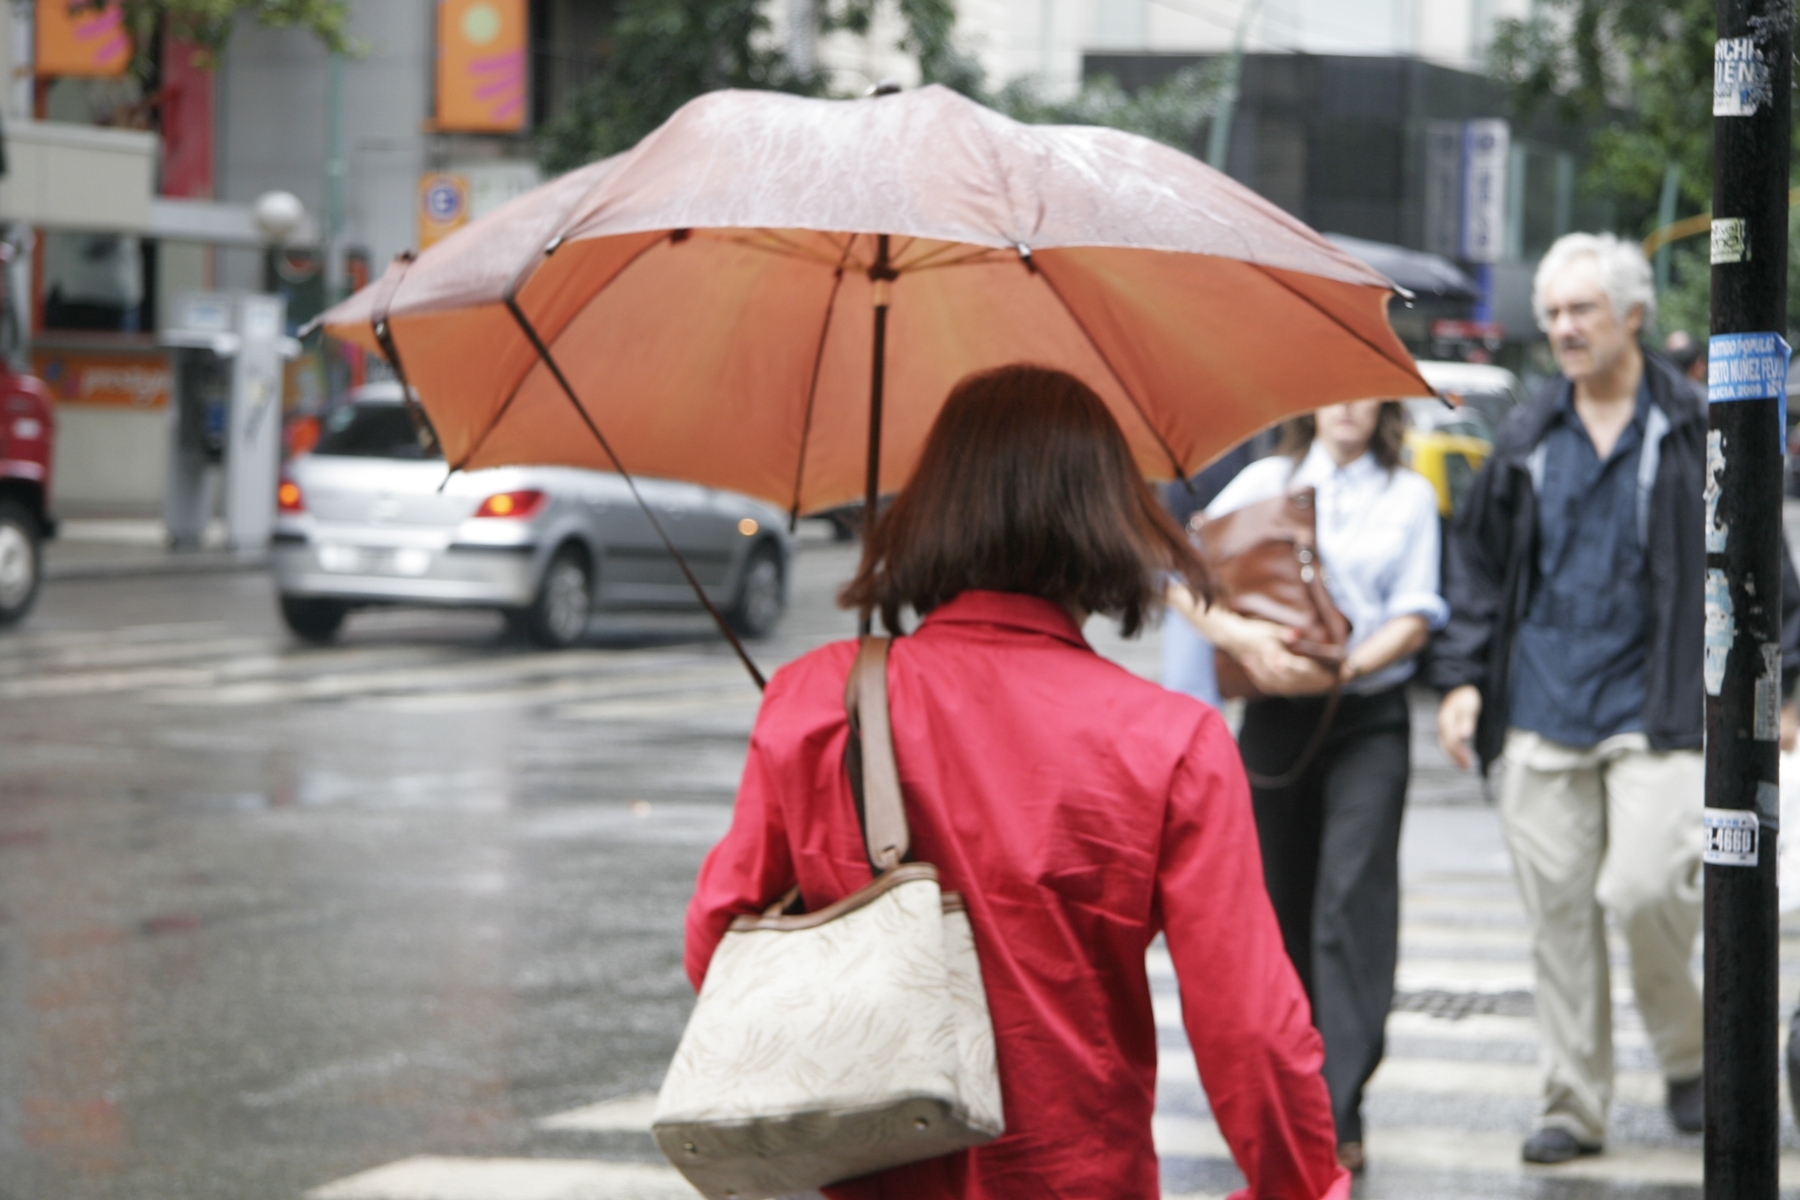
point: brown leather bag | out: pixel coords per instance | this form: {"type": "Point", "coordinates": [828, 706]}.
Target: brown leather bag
{"type": "Point", "coordinates": [1265, 563]}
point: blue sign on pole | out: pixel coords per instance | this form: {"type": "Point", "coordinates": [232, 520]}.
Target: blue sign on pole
{"type": "Point", "coordinates": [1487, 144]}
{"type": "Point", "coordinates": [1748, 366]}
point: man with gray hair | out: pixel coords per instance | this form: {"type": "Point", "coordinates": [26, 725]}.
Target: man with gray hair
{"type": "Point", "coordinates": [1573, 658]}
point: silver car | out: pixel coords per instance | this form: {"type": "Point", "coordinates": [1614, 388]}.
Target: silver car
{"type": "Point", "coordinates": [369, 518]}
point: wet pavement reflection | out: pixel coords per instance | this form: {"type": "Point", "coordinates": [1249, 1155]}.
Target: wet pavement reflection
{"type": "Point", "coordinates": [274, 916]}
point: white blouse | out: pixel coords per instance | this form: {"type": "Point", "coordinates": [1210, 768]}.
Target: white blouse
{"type": "Point", "coordinates": [1378, 539]}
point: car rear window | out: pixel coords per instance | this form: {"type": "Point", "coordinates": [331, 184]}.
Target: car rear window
{"type": "Point", "coordinates": [375, 431]}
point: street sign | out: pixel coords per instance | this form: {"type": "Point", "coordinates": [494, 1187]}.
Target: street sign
{"type": "Point", "coordinates": [443, 206]}
{"type": "Point", "coordinates": [1486, 147]}
{"type": "Point", "coordinates": [1443, 188]}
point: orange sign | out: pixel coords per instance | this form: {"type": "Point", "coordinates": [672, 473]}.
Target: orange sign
{"type": "Point", "coordinates": [125, 380]}
{"type": "Point", "coordinates": [81, 40]}
{"type": "Point", "coordinates": [481, 66]}
{"type": "Point", "coordinates": [443, 206]}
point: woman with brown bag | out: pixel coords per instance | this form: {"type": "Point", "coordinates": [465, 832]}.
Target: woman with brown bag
{"type": "Point", "coordinates": [1077, 809]}
{"type": "Point", "coordinates": [1325, 734]}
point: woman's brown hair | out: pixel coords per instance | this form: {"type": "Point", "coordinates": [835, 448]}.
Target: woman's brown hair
{"type": "Point", "coordinates": [1386, 443]}
{"type": "Point", "coordinates": [1025, 484]}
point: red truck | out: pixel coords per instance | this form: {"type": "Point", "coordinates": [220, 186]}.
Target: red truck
{"type": "Point", "coordinates": [27, 435]}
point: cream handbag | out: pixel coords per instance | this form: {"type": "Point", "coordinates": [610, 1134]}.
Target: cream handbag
{"type": "Point", "coordinates": [831, 1044]}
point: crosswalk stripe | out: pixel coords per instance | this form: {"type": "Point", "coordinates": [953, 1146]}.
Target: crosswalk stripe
{"type": "Point", "coordinates": [92, 683]}
{"type": "Point", "coordinates": [105, 654]}
{"type": "Point", "coordinates": [1442, 1077]}
{"type": "Point", "coordinates": [582, 697]}
{"type": "Point", "coordinates": [1476, 1152]}
{"type": "Point", "coordinates": [434, 1177]}
{"type": "Point", "coordinates": [551, 677]}
{"type": "Point", "coordinates": [625, 1114]}
{"type": "Point", "coordinates": [649, 709]}
{"type": "Point", "coordinates": [22, 644]}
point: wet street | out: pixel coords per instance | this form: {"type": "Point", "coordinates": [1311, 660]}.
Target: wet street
{"type": "Point", "coordinates": [400, 918]}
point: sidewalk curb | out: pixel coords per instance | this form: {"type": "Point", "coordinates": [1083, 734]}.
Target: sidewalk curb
{"type": "Point", "coordinates": [171, 564]}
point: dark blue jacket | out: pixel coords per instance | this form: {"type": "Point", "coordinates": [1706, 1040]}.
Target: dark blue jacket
{"type": "Point", "coordinates": [1490, 567]}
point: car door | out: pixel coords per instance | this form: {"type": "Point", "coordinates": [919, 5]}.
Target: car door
{"type": "Point", "coordinates": [637, 568]}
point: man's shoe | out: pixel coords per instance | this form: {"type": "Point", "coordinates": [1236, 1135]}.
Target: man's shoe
{"type": "Point", "coordinates": [1553, 1144]}
{"type": "Point", "coordinates": [1687, 1104]}
{"type": "Point", "coordinates": [1351, 1157]}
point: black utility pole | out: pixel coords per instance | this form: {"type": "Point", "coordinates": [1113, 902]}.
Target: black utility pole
{"type": "Point", "coordinates": [1747, 372]}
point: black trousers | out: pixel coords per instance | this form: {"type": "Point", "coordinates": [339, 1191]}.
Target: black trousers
{"type": "Point", "coordinates": [1331, 851]}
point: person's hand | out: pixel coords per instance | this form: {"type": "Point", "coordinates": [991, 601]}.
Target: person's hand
{"type": "Point", "coordinates": [1457, 715]}
{"type": "Point", "coordinates": [1278, 671]}
{"type": "Point", "coordinates": [1790, 726]}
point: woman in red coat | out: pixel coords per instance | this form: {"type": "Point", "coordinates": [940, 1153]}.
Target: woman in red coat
{"type": "Point", "coordinates": [1079, 809]}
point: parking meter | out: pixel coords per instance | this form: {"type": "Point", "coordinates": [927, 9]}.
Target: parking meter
{"type": "Point", "coordinates": [224, 416]}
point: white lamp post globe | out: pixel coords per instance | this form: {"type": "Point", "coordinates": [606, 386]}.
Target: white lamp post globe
{"type": "Point", "coordinates": [278, 215]}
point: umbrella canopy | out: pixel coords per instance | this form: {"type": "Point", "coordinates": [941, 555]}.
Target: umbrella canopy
{"type": "Point", "coordinates": [707, 297]}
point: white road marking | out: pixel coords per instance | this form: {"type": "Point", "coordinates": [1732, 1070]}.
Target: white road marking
{"type": "Point", "coordinates": [1462, 975]}
{"type": "Point", "coordinates": [1472, 1152]}
{"type": "Point", "coordinates": [430, 1177]}
{"type": "Point", "coordinates": [93, 655]}
{"type": "Point", "coordinates": [723, 685]}
{"type": "Point", "coordinates": [649, 709]}
{"type": "Point", "coordinates": [32, 642]}
{"type": "Point", "coordinates": [583, 671]}
{"type": "Point", "coordinates": [624, 1114]}
{"type": "Point", "coordinates": [93, 683]}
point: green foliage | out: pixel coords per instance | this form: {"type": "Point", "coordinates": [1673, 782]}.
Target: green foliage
{"type": "Point", "coordinates": [1593, 59]}
{"type": "Point", "coordinates": [1590, 59]}
{"type": "Point", "coordinates": [1172, 111]}
{"type": "Point", "coordinates": [663, 53]}
{"type": "Point", "coordinates": [207, 24]}
{"type": "Point", "coordinates": [930, 30]}
{"type": "Point", "coordinates": [1687, 304]}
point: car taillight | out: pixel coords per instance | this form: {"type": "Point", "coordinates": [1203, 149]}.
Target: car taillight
{"type": "Point", "coordinates": [511, 504]}
{"type": "Point", "coordinates": [287, 497]}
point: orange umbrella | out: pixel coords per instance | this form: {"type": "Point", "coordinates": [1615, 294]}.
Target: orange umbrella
{"type": "Point", "coordinates": [700, 298]}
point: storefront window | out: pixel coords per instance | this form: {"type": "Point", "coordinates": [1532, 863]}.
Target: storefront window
{"type": "Point", "coordinates": [95, 281]}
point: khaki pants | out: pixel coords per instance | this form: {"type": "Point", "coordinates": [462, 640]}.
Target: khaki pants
{"type": "Point", "coordinates": [1615, 825]}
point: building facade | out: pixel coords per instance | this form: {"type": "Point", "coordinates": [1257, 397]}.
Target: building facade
{"type": "Point", "coordinates": [122, 192]}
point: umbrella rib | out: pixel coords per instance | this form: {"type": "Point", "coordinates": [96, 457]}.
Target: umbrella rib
{"type": "Point", "coordinates": [510, 299]}
{"type": "Point", "coordinates": [512, 306]}
{"type": "Point", "coordinates": [943, 249]}
{"type": "Point", "coordinates": [1037, 269]}
{"type": "Point", "coordinates": [761, 239]}
{"type": "Point", "coordinates": [812, 389]}
{"type": "Point", "coordinates": [384, 337]}
{"type": "Point", "coordinates": [978, 257]}
{"type": "Point", "coordinates": [1339, 322]}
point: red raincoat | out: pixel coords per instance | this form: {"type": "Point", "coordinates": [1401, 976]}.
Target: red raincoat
{"type": "Point", "coordinates": [1080, 810]}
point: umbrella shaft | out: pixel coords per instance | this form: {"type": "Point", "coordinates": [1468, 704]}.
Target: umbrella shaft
{"type": "Point", "coordinates": [877, 371]}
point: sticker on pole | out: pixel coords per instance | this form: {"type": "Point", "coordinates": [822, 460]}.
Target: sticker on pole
{"type": "Point", "coordinates": [1720, 631]}
{"type": "Point", "coordinates": [1740, 78]}
{"type": "Point", "coordinates": [1731, 838]}
{"type": "Point", "coordinates": [1746, 366]}
{"type": "Point", "coordinates": [1730, 240]}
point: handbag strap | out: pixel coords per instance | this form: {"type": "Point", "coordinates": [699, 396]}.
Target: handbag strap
{"type": "Point", "coordinates": [1312, 566]}
{"type": "Point", "coordinates": [1313, 746]}
{"type": "Point", "coordinates": [880, 810]}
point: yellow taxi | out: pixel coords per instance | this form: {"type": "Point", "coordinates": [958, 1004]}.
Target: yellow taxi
{"type": "Point", "coordinates": [1448, 439]}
